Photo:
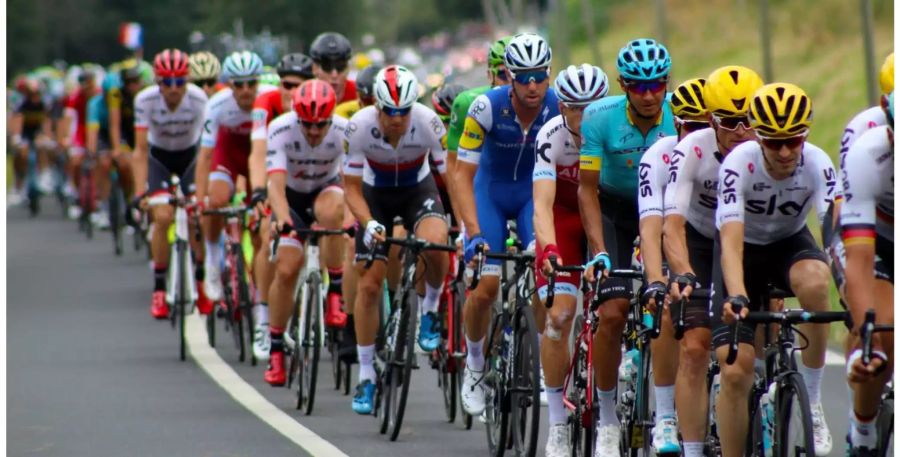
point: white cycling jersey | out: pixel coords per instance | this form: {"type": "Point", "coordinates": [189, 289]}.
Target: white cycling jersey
{"type": "Point", "coordinates": [557, 160]}
{"type": "Point", "coordinates": [223, 114]}
{"type": "Point", "coordinates": [308, 168]}
{"type": "Point", "coordinates": [770, 209]}
{"type": "Point", "coordinates": [371, 156]}
{"type": "Point", "coordinates": [653, 174]}
{"type": "Point", "coordinates": [868, 179]}
{"type": "Point", "coordinates": [865, 120]}
{"type": "Point", "coordinates": [694, 180]}
{"type": "Point", "coordinates": [167, 129]}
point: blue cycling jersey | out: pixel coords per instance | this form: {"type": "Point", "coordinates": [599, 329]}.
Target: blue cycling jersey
{"type": "Point", "coordinates": [98, 113]}
{"type": "Point", "coordinates": [613, 145]}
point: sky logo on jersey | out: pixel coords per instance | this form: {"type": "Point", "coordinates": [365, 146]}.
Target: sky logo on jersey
{"type": "Point", "coordinates": [644, 183]}
{"type": "Point", "coordinates": [729, 193]}
{"type": "Point", "coordinates": [473, 135]}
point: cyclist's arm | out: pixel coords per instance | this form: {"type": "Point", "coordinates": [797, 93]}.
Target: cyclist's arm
{"type": "Point", "coordinates": [652, 176]}
{"type": "Point", "coordinates": [682, 170]}
{"type": "Point", "coordinates": [258, 148]}
{"type": "Point", "coordinates": [730, 222]}
{"type": "Point", "coordinates": [651, 228]}
{"type": "Point", "coordinates": [468, 158]}
{"type": "Point", "coordinates": [589, 207]}
{"type": "Point", "coordinates": [16, 125]}
{"type": "Point", "coordinates": [139, 163]}
{"type": "Point", "coordinates": [208, 137]}
{"type": "Point", "coordinates": [114, 111]}
{"type": "Point", "coordinates": [355, 200]}
{"type": "Point", "coordinates": [92, 133]}
{"type": "Point", "coordinates": [278, 197]}
{"type": "Point", "coordinates": [544, 190]}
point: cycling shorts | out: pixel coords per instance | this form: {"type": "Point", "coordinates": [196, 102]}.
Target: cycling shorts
{"type": "Point", "coordinates": [496, 203]}
{"type": "Point", "coordinates": [884, 260]}
{"type": "Point", "coordinates": [162, 164]}
{"type": "Point", "coordinates": [620, 228]}
{"type": "Point", "coordinates": [763, 265]}
{"type": "Point", "coordinates": [302, 204]}
{"type": "Point", "coordinates": [412, 204]}
{"type": "Point", "coordinates": [570, 240]}
{"type": "Point", "coordinates": [230, 158]}
{"type": "Point", "coordinates": [700, 251]}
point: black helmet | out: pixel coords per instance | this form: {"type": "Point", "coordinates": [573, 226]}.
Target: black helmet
{"type": "Point", "coordinates": [365, 81]}
{"type": "Point", "coordinates": [330, 46]}
{"type": "Point", "coordinates": [297, 64]}
{"type": "Point", "coordinates": [442, 98]}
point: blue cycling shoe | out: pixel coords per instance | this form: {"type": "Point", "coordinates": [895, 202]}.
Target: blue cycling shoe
{"type": "Point", "coordinates": [429, 331]}
{"type": "Point", "coordinates": [364, 400]}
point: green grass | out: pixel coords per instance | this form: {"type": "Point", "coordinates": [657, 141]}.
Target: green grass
{"type": "Point", "coordinates": [816, 44]}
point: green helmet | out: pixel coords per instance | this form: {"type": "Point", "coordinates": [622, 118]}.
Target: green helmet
{"type": "Point", "coordinates": [497, 51]}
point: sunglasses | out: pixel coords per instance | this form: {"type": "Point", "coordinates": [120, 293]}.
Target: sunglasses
{"type": "Point", "coordinates": [775, 144]}
{"type": "Point", "coordinates": [289, 85]}
{"type": "Point", "coordinates": [639, 87]}
{"type": "Point", "coordinates": [573, 107]}
{"type": "Point", "coordinates": [396, 112]}
{"type": "Point", "coordinates": [248, 84]}
{"type": "Point", "coordinates": [500, 74]}
{"type": "Point", "coordinates": [172, 82]}
{"type": "Point", "coordinates": [690, 126]}
{"type": "Point", "coordinates": [331, 65]}
{"type": "Point", "coordinates": [732, 123]}
{"type": "Point", "coordinates": [320, 125]}
{"type": "Point", "coordinates": [526, 77]}
{"type": "Point", "coordinates": [205, 82]}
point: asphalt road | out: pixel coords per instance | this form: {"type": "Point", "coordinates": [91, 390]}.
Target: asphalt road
{"type": "Point", "coordinates": [90, 373]}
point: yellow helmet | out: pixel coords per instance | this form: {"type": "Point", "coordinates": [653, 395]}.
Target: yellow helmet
{"type": "Point", "coordinates": [687, 99]}
{"type": "Point", "coordinates": [780, 110]}
{"type": "Point", "coordinates": [729, 89]}
{"type": "Point", "coordinates": [886, 75]}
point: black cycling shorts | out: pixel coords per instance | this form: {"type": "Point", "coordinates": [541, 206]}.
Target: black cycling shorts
{"type": "Point", "coordinates": [412, 204]}
{"type": "Point", "coordinates": [162, 164]}
{"type": "Point", "coordinates": [620, 228]}
{"type": "Point", "coordinates": [302, 205]}
{"type": "Point", "coordinates": [763, 265]}
{"type": "Point", "coordinates": [700, 251]}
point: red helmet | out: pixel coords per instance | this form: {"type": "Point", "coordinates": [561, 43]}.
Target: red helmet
{"type": "Point", "coordinates": [314, 101]}
{"type": "Point", "coordinates": [171, 63]}
{"type": "Point", "coordinates": [21, 84]}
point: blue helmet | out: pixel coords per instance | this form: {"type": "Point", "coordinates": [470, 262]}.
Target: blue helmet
{"type": "Point", "coordinates": [644, 59]}
{"type": "Point", "coordinates": [242, 65]}
{"type": "Point", "coordinates": [111, 81]}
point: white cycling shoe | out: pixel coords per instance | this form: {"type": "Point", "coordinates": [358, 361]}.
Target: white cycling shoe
{"type": "Point", "coordinates": [262, 342]}
{"type": "Point", "coordinates": [821, 434]}
{"type": "Point", "coordinates": [665, 436]}
{"type": "Point", "coordinates": [472, 392]}
{"type": "Point", "coordinates": [557, 441]}
{"type": "Point", "coordinates": [212, 282]}
{"type": "Point", "coordinates": [606, 444]}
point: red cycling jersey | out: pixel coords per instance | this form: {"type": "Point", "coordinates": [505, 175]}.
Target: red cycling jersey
{"type": "Point", "coordinates": [78, 101]}
{"type": "Point", "coordinates": [349, 92]}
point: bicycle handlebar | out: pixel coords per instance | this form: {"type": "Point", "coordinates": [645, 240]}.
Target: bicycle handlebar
{"type": "Point", "coordinates": [788, 318]}
{"type": "Point", "coordinates": [866, 331]}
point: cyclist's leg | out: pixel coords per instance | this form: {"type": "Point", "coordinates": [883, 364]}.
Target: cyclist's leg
{"type": "Point", "coordinates": [693, 359]}
{"type": "Point", "coordinates": [158, 175]}
{"type": "Point", "coordinates": [288, 261]}
{"type": "Point", "coordinates": [429, 223]}
{"type": "Point", "coordinates": [20, 165]}
{"type": "Point", "coordinates": [126, 178]}
{"type": "Point", "coordinates": [525, 232]}
{"type": "Point", "coordinates": [329, 210]}
{"type": "Point", "coordinates": [220, 188]}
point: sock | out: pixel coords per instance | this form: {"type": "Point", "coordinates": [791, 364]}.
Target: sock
{"type": "Point", "coordinates": [366, 362]}
{"type": "Point", "coordinates": [336, 279]}
{"type": "Point", "coordinates": [665, 401]}
{"type": "Point", "coordinates": [199, 272]}
{"type": "Point", "coordinates": [277, 336]}
{"type": "Point", "coordinates": [261, 313]}
{"type": "Point", "coordinates": [607, 399]}
{"type": "Point", "coordinates": [159, 277]}
{"type": "Point", "coordinates": [863, 433]}
{"type": "Point", "coordinates": [432, 298]}
{"type": "Point", "coordinates": [475, 356]}
{"type": "Point", "coordinates": [692, 449]}
{"type": "Point", "coordinates": [213, 255]}
{"type": "Point", "coordinates": [555, 406]}
{"type": "Point", "coordinates": [812, 377]}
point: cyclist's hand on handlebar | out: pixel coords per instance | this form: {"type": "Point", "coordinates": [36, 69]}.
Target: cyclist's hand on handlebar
{"type": "Point", "coordinates": [648, 298]}
{"type": "Point", "coordinates": [857, 372]}
{"type": "Point", "coordinates": [682, 286]}
{"type": "Point", "coordinates": [600, 260]}
{"type": "Point", "coordinates": [550, 259]}
{"type": "Point", "coordinates": [375, 232]}
{"type": "Point", "coordinates": [734, 303]}
{"type": "Point", "coordinates": [471, 245]}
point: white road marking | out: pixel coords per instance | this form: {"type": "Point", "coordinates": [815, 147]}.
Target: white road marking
{"type": "Point", "coordinates": [249, 397]}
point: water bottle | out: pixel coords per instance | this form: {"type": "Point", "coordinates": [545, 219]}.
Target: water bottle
{"type": "Point", "coordinates": [714, 393]}
{"type": "Point", "coordinates": [766, 403]}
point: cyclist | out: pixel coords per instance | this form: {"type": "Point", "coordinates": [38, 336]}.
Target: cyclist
{"type": "Point", "coordinates": [385, 176]}
{"type": "Point", "coordinates": [557, 228]}
{"type": "Point", "coordinates": [493, 183]}
{"type": "Point", "coordinates": [30, 121]}
{"type": "Point", "coordinates": [873, 116]}
{"type": "Point", "coordinates": [75, 118]}
{"type": "Point", "coordinates": [205, 70]}
{"type": "Point", "coordinates": [766, 189]}
{"type": "Point", "coordinates": [331, 53]}
{"type": "Point", "coordinates": [867, 216]}
{"type": "Point", "coordinates": [121, 119]}
{"type": "Point", "coordinates": [442, 102]}
{"type": "Point", "coordinates": [224, 156]}
{"type": "Point", "coordinates": [293, 70]}
{"type": "Point", "coordinates": [167, 121]}
{"type": "Point", "coordinates": [689, 230]}
{"type": "Point", "coordinates": [98, 142]}
{"type": "Point", "coordinates": [617, 130]}
{"type": "Point", "coordinates": [304, 161]}
{"type": "Point", "coordinates": [365, 96]}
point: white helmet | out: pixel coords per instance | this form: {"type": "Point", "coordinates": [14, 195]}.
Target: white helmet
{"type": "Point", "coordinates": [526, 51]}
{"type": "Point", "coordinates": [396, 87]}
{"type": "Point", "coordinates": [581, 85]}
{"type": "Point", "coordinates": [244, 64]}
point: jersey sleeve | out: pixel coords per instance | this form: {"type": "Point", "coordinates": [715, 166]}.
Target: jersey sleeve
{"type": "Point", "coordinates": [592, 138]}
{"type": "Point", "coordinates": [260, 117]}
{"type": "Point", "coordinates": [438, 144]}
{"type": "Point", "coordinates": [545, 156]}
{"type": "Point", "coordinates": [114, 99]}
{"type": "Point", "coordinates": [651, 181]}
{"type": "Point", "coordinates": [93, 111]}
{"type": "Point", "coordinates": [683, 166]}
{"type": "Point", "coordinates": [210, 130]}
{"type": "Point", "coordinates": [731, 190]}
{"type": "Point", "coordinates": [861, 185]}
{"type": "Point", "coordinates": [276, 158]}
{"type": "Point", "coordinates": [141, 112]}
{"type": "Point", "coordinates": [827, 190]}
{"type": "Point", "coordinates": [457, 121]}
{"type": "Point", "coordinates": [354, 162]}
{"type": "Point", "coordinates": [478, 123]}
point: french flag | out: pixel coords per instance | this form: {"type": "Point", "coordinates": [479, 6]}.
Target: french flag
{"type": "Point", "coordinates": [131, 35]}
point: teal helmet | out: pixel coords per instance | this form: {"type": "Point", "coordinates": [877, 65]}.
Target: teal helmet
{"type": "Point", "coordinates": [644, 59]}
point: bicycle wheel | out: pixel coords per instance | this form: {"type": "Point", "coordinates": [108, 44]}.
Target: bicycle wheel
{"type": "Point", "coordinates": [757, 436]}
{"type": "Point", "coordinates": [459, 350]}
{"type": "Point", "coordinates": [404, 357]}
{"type": "Point", "coordinates": [885, 423]}
{"type": "Point", "coordinates": [211, 329]}
{"type": "Point", "coordinates": [182, 299]}
{"type": "Point", "coordinates": [641, 422]}
{"type": "Point", "coordinates": [312, 341]}
{"type": "Point", "coordinates": [446, 378]}
{"type": "Point", "coordinates": [116, 223]}
{"type": "Point", "coordinates": [496, 398]}
{"type": "Point", "coordinates": [386, 387]}
{"type": "Point", "coordinates": [233, 304]}
{"type": "Point", "coordinates": [336, 365]}
{"type": "Point", "coordinates": [581, 421]}
{"type": "Point", "coordinates": [525, 386]}
{"type": "Point", "coordinates": [793, 419]}
{"type": "Point", "coordinates": [292, 348]}
{"type": "Point", "coordinates": [247, 295]}
{"type": "Point", "coordinates": [243, 300]}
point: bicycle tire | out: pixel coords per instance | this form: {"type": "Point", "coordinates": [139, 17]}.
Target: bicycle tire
{"type": "Point", "coordinates": [445, 377]}
{"type": "Point", "coordinates": [459, 352]}
{"type": "Point", "coordinates": [116, 224]}
{"type": "Point", "coordinates": [293, 351]}
{"type": "Point", "coordinates": [336, 365]}
{"type": "Point", "coordinates": [711, 445]}
{"type": "Point", "coordinates": [182, 299]}
{"type": "Point", "coordinates": [496, 405]}
{"type": "Point", "coordinates": [312, 343]}
{"type": "Point", "coordinates": [644, 419]}
{"type": "Point", "coordinates": [405, 353]}
{"type": "Point", "coordinates": [525, 389]}
{"type": "Point", "coordinates": [885, 423]}
{"type": "Point", "coordinates": [211, 328]}
{"type": "Point", "coordinates": [385, 387]}
{"type": "Point", "coordinates": [580, 422]}
{"type": "Point", "coordinates": [755, 445]}
{"type": "Point", "coordinates": [233, 312]}
{"type": "Point", "coordinates": [244, 304]}
{"type": "Point", "coordinates": [793, 426]}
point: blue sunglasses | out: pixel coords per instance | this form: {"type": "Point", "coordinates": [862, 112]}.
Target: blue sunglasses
{"type": "Point", "coordinates": [526, 77]}
{"type": "Point", "coordinates": [395, 112]}
{"type": "Point", "coordinates": [173, 81]}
